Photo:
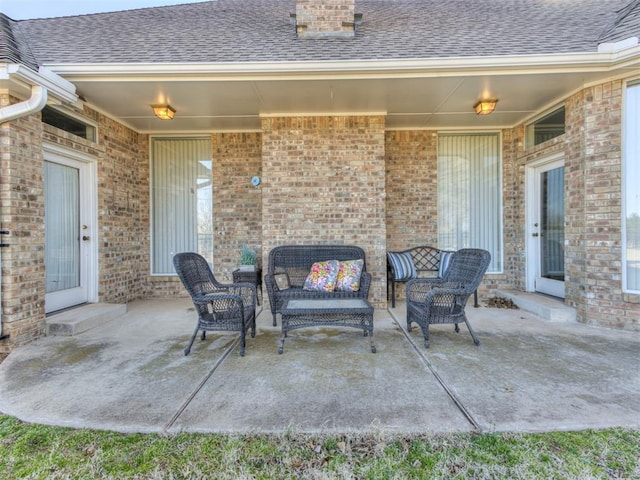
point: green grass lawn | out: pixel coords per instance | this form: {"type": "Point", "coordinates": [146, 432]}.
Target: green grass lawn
{"type": "Point", "coordinates": [42, 452]}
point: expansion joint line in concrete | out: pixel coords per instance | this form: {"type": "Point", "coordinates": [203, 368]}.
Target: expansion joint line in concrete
{"type": "Point", "coordinates": [186, 403]}
{"type": "Point", "coordinates": [440, 380]}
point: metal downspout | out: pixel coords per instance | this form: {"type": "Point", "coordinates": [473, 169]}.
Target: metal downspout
{"type": "Point", "coordinates": [34, 104]}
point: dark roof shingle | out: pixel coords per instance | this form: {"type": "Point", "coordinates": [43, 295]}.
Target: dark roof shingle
{"type": "Point", "coordinates": [260, 30]}
{"type": "Point", "coordinates": [12, 48]}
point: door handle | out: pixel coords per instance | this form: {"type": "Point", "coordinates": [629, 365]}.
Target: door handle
{"type": "Point", "coordinates": [85, 238]}
{"type": "Point", "coordinates": [534, 234]}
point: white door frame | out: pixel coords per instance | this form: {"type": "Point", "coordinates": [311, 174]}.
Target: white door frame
{"type": "Point", "coordinates": [89, 199]}
{"type": "Point", "coordinates": [531, 243]}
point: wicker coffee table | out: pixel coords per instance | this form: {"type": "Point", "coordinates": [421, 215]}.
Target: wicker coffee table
{"type": "Point", "coordinates": [345, 312]}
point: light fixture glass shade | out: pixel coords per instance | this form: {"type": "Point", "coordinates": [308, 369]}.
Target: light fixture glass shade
{"type": "Point", "coordinates": [485, 107]}
{"type": "Point", "coordinates": [164, 111]}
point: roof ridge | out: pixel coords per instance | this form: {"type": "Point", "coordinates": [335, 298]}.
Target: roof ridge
{"type": "Point", "coordinates": [12, 48]}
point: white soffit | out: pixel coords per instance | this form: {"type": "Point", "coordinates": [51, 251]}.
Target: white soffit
{"type": "Point", "coordinates": [434, 93]}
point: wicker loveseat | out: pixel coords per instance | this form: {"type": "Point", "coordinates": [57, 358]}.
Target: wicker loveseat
{"type": "Point", "coordinates": [289, 265]}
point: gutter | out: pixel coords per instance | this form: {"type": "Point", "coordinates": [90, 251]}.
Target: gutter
{"type": "Point", "coordinates": [608, 58]}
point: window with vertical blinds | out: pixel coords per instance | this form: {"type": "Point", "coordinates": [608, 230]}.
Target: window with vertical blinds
{"type": "Point", "coordinates": [182, 200]}
{"type": "Point", "coordinates": [631, 197]}
{"type": "Point", "coordinates": [469, 199]}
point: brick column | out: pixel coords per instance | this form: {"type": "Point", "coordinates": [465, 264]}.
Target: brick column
{"type": "Point", "coordinates": [324, 183]}
{"type": "Point", "coordinates": [21, 213]}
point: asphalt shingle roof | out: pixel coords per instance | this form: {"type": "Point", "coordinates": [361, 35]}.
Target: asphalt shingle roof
{"type": "Point", "coordinates": [626, 24]}
{"type": "Point", "coordinates": [13, 49]}
{"type": "Point", "coordinates": [261, 30]}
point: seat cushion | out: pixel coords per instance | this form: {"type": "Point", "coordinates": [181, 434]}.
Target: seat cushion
{"type": "Point", "coordinates": [323, 276]}
{"type": "Point", "coordinates": [349, 273]}
{"type": "Point", "coordinates": [402, 264]}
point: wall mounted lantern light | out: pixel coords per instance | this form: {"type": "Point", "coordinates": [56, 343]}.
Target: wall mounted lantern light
{"type": "Point", "coordinates": [164, 111]}
{"type": "Point", "coordinates": [485, 107]}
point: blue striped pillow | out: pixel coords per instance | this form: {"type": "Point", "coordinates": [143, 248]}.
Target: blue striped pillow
{"type": "Point", "coordinates": [402, 265]}
{"type": "Point", "coordinates": [445, 261]}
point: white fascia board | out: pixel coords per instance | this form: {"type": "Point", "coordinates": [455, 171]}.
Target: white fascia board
{"type": "Point", "coordinates": [460, 66]}
{"type": "Point", "coordinates": [56, 86]}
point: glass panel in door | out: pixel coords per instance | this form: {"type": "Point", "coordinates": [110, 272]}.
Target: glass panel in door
{"type": "Point", "coordinates": [550, 201]}
{"type": "Point", "coordinates": [62, 237]}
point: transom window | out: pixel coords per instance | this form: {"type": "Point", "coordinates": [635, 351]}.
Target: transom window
{"type": "Point", "coordinates": [69, 124]}
{"type": "Point", "coordinates": [545, 128]}
{"type": "Point", "coordinates": [469, 194]}
{"type": "Point", "coordinates": [182, 200]}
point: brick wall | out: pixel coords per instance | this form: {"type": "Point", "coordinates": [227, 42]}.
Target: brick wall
{"type": "Point", "coordinates": [315, 18]}
{"type": "Point", "coordinates": [513, 204]}
{"type": "Point", "coordinates": [605, 302]}
{"type": "Point", "coordinates": [412, 194]}
{"type": "Point", "coordinates": [573, 145]}
{"type": "Point", "coordinates": [237, 157]}
{"type": "Point", "coordinates": [21, 211]}
{"type": "Point", "coordinates": [123, 203]}
{"type": "Point", "coordinates": [324, 183]}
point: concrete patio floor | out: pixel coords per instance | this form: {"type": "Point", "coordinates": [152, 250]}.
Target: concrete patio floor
{"type": "Point", "coordinates": [130, 375]}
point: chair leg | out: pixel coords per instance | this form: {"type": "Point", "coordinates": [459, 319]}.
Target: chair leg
{"type": "Point", "coordinates": [473, 335]}
{"type": "Point", "coordinates": [393, 294]}
{"type": "Point", "coordinates": [425, 334]}
{"type": "Point", "coordinates": [243, 342]}
{"type": "Point", "coordinates": [193, 337]}
{"type": "Point", "coordinates": [457, 329]}
{"type": "Point", "coordinates": [204, 335]}
{"type": "Point", "coordinates": [275, 324]}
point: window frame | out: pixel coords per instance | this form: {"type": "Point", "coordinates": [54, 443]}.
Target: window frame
{"type": "Point", "coordinates": [75, 118]}
{"type": "Point", "coordinates": [529, 135]}
{"type": "Point", "coordinates": [625, 158]}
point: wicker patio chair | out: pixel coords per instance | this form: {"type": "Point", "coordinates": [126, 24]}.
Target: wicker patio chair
{"type": "Point", "coordinates": [443, 300]}
{"type": "Point", "coordinates": [220, 307]}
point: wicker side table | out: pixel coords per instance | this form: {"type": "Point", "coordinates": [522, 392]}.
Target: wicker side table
{"type": "Point", "coordinates": [251, 276]}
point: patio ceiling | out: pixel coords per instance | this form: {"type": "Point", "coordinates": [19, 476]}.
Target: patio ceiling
{"type": "Point", "coordinates": [412, 96]}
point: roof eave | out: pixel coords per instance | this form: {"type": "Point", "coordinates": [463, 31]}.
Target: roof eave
{"type": "Point", "coordinates": [451, 66]}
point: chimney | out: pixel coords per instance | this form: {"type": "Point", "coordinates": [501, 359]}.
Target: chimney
{"type": "Point", "coordinates": [325, 18]}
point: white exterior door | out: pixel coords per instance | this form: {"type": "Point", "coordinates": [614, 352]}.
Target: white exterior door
{"type": "Point", "coordinates": [70, 253]}
{"type": "Point", "coordinates": [546, 218]}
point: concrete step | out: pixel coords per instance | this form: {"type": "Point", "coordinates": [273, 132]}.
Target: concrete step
{"type": "Point", "coordinates": [547, 308]}
{"type": "Point", "coordinates": [77, 320]}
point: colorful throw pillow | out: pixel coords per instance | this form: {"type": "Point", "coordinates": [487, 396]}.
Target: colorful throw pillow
{"type": "Point", "coordinates": [445, 261]}
{"type": "Point", "coordinates": [402, 264]}
{"type": "Point", "coordinates": [349, 273]}
{"type": "Point", "coordinates": [323, 276]}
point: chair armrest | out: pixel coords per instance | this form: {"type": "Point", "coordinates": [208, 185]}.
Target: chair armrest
{"type": "Point", "coordinates": [270, 282]}
{"type": "Point", "coordinates": [244, 292]}
{"type": "Point", "coordinates": [365, 284]}
{"type": "Point", "coordinates": [419, 289]}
